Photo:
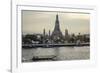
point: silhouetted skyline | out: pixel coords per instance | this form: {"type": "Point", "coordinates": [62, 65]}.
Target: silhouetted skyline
{"type": "Point", "coordinates": [35, 22]}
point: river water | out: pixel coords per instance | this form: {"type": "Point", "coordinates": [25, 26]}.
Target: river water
{"type": "Point", "coordinates": [61, 53]}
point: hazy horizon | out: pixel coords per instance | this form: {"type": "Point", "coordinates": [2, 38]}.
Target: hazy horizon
{"type": "Point", "coordinates": [36, 21]}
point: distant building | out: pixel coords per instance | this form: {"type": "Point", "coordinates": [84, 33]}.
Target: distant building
{"type": "Point", "coordinates": [44, 36]}
{"type": "Point", "coordinates": [66, 35]}
{"type": "Point", "coordinates": [56, 34]}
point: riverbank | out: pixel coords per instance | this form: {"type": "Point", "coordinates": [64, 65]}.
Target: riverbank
{"type": "Point", "coordinates": [53, 45]}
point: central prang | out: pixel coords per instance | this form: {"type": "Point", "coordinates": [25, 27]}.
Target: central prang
{"type": "Point", "coordinates": [56, 35]}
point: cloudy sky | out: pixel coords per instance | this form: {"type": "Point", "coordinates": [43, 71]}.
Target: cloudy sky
{"type": "Point", "coordinates": [36, 21]}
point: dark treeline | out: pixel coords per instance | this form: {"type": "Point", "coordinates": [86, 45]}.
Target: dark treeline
{"type": "Point", "coordinates": [40, 39]}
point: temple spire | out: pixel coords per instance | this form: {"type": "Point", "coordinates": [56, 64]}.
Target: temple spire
{"type": "Point", "coordinates": [57, 32]}
{"type": "Point", "coordinates": [57, 27]}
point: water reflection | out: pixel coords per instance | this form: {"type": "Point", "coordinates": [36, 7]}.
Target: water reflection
{"type": "Point", "coordinates": [58, 53]}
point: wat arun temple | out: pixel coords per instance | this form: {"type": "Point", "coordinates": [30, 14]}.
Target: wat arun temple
{"type": "Point", "coordinates": [56, 36]}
